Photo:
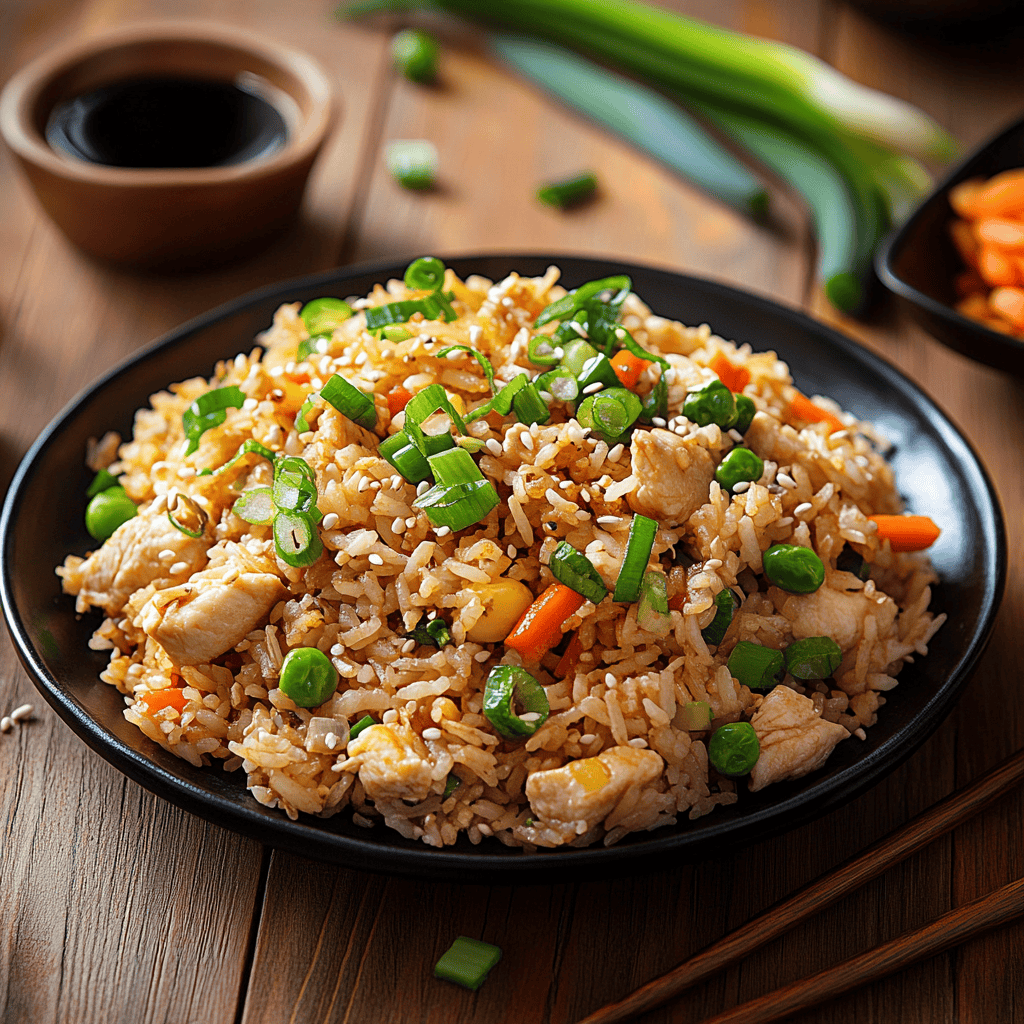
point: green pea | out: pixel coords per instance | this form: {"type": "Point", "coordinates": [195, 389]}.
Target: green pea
{"type": "Point", "coordinates": [796, 569]}
{"type": "Point", "coordinates": [308, 677]}
{"type": "Point", "coordinates": [713, 403]}
{"type": "Point", "coordinates": [107, 511]}
{"type": "Point", "coordinates": [415, 55]}
{"type": "Point", "coordinates": [739, 465]}
{"type": "Point", "coordinates": [734, 748]}
{"type": "Point", "coordinates": [754, 666]}
{"type": "Point", "coordinates": [815, 657]}
{"type": "Point", "coordinates": [745, 410]}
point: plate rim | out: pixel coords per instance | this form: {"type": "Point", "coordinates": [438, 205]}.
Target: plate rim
{"type": "Point", "coordinates": [416, 860]}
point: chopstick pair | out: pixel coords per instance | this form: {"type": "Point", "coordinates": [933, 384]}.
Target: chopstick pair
{"type": "Point", "coordinates": [947, 931]}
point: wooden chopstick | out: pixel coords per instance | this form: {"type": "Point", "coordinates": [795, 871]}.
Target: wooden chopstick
{"type": "Point", "coordinates": [917, 833]}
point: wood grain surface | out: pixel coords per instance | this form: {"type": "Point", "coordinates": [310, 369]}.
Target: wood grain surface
{"type": "Point", "coordinates": [118, 907]}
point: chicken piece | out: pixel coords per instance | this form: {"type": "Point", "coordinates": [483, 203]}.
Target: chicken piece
{"type": "Point", "coordinates": [394, 763]}
{"type": "Point", "coordinates": [130, 560]}
{"type": "Point", "coordinates": [673, 475]}
{"type": "Point", "coordinates": [794, 738]}
{"type": "Point", "coordinates": [588, 790]}
{"type": "Point", "coordinates": [214, 611]}
{"type": "Point", "coordinates": [771, 439]}
{"type": "Point", "coordinates": [839, 614]}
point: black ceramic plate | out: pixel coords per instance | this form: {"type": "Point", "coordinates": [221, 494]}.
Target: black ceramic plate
{"type": "Point", "coordinates": [938, 472]}
{"type": "Point", "coordinates": [919, 262]}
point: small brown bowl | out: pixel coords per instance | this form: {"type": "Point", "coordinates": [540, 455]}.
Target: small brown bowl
{"type": "Point", "coordinates": [174, 218]}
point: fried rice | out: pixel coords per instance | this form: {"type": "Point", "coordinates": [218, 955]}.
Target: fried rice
{"type": "Point", "coordinates": [213, 615]}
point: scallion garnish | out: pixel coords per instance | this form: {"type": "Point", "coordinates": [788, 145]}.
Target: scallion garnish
{"type": "Point", "coordinates": [577, 299]}
{"type": "Point", "coordinates": [597, 370]}
{"type": "Point", "coordinates": [514, 702]}
{"type": "Point", "coordinates": [726, 604]}
{"type": "Point", "coordinates": [364, 723]}
{"type": "Point", "coordinates": [184, 514]}
{"type": "Point", "coordinates": [432, 632]}
{"type": "Point", "coordinates": [569, 192]}
{"type": "Point", "coordinates": [529, 406]}
{"type": "Point", "coordinates": [209, 410]}
{"type": "Point", "coordinates": [609, 413]}
{"type": "Point", "coordinates": [576, 571]}
{"type": "Point", "coordinates": [294, 487]}
{"type": "Point", "coordinates": [501, 403]}
{"type": "Point", "coordinates": [412, 162]}
{"type": "Point", "coordinates": [301, 423]}
{"type": "Point", "coordinates": [576, 353]}
{"type": "Point", "coordinates": [478, 356]}
{"type": "Point", "coordinates": [247, 448]}
{"type": "Point", "coordinates": [322, 316]}
{"type": "Point", "coordinates": [467, 962]}
{"type": "Point", "coordinates": [420, 409]}
{"type": "Point", "coordinates": [542, 350]}
{"type": "Point", "coordinates": [425, 274]}
{"type": "Point", "coordinates": [297, 539]}
{"type": "Point", "coordinates": [255, 506]}
{"type": "Point", "coordinates": [400, 451]}
{"type": "Point", "coordinates": [350, 401]}
{"type": "Point", "coordinates": [652, 611]}
{"type": "Point", "coordinates": [639, 545]}
{"type": "Point", "coordinates": [755, 666]}
{"type": "Point", "coordinates": [102, 481]}
{"type": "Point", "coordinates": [458, 506]}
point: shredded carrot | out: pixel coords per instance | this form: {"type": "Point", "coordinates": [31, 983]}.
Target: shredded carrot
{"type": "Point", "coordinates": [628, 367]}
{"type": "Point", "coordinates": [567, 665]}
{"type": "Point", "coordinates": [735, 378]}
{"type": "Point", "coordinates": [540, 627]}
{"type": "Point", "coordinates": [804, 409]}
{"type": "Point", "coordinates": [398, 399]}
{"type": "Point", "coordinates": [907, 533]}
{"type": "Point", "coordinates": [172, 697]}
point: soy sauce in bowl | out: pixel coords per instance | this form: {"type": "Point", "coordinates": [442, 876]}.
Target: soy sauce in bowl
{"type": "Point", "coordinates": [168, 122]}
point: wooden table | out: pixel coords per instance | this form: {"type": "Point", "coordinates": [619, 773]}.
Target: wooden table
{"type": "Point", "coordinates": [117, 907]}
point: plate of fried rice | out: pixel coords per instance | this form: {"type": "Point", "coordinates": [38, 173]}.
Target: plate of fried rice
{"type": "Point", "coordinates": [502, 566]}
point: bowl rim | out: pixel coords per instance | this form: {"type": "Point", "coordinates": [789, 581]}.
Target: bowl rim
{"type": "Point", "coordinates": [22, 91]}
{"type": "Point", "coordinates": [897, 240]}
{"type": "Point", "coordinates": [413, 860]}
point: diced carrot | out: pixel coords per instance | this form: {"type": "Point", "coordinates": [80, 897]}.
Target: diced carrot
{"type": "Point", "coordinates": [906, 533]}
{"type": "Point", "coordinates": [676, 603]}
{"type": "Point", "coordinates": [172, 697]}
{"type": "Point", "coordinates": [628, 367]}
{"type": "Point", "coordinates": [996, 267]}
{"type": "Point", "coordinates": [965, 242]}
{"type": "Point", "coordinates": [540, 627]}
{"type": "Point", "coordinates": [804, 409]}
{"type": "Point", "coordinates": [962, 196]}
{"type": "Point", "coordinates": [567, 664]}
{"type": "Point", "coordinates": [1000, 196]}
{"type": "Point", "coordinates": [1008, 303]}
{"type": "Point", "coordinates": [1000, 232]}
{"type": "Point", "coordinates": [735, 378]}
{"type": "Point", "coordinates": [398, 399]}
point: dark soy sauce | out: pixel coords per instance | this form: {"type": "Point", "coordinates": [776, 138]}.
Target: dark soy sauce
{"type": "Point", "coordinates": [167, 122]}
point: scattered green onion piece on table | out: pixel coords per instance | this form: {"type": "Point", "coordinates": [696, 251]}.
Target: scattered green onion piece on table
{"type": "Point", "coordinates": [350, 401]}
{"type": "Point", "coordinates": [400, 451]}
{"type": "Point", "coordinates": [467, 962]}
{"type": "Point", "coordinates": [107, 510]}
{"type": "Point", "coordinates": [745, 410]}
{"type": "Point", "coordinates": [255, 506]}
{"type": "Point", "coordinates": [713, 403]}
{"type": "Point", "coordinates": [652, 611]}
{"type": "Point", "coordinates": [850, 561]}
{"type": "Point", "coordinates": [209, 410]}
{"type": "Point", "coordinates": [741, 464]}
{"type": "Point", "coordinates": [307, 677]}
{"type": "Point", "coordinates": [478, 356]}
{"type": "Point", "coordinates": [734, 748]}
{"type": "Point", "coordinates": [697, 715]}
{"type": "Point", "coordinates": [529, 407]}
{"type": "Point", "coordinates": [425, 274]}
{"type": "Point", "coordinates": [412, 163]}
{"type": "Point", "coordinates": [542, 350]}
{"type": "Point", "coordinates": [458, 506]}
{"type": "Point", "coordinates": [415, 54]}
{"type": "Point", "coordinates": [575, 570]}
{"type": "Point", "coordinates": [321, 316]}
{"type": "Point", "coordinates": [432, 632]}
{"type": "Point", "coordinates": [569, 192]}
{"type": "Point", "coordinates": [639, 545]}
{"type": "Point", "coordinates": [102, 481]}
{"type": "Point", "coordinates": [814, 657]}
{"type": "Point", "coordinates": [726, 604]}
{"type": "Point", "coordinates": [795, 569]}
{"type": "Point", "coordinates": [297, 539]}
{"type": "Point", "coordinates": [754, 666]}
{"type": "Point", "coordinates": [514, 702]}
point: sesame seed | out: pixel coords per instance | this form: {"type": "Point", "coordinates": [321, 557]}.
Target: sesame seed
{"type": "Point", "coordinates": [179, 567]}
{"type": "Point", "coordinates": [530, 716]}
{"type": "Point", "coordinates": [564, 485]}
{"type": "Point", "coordinates": [638, 741]}
{"type": "Point", "coordinates": [616, 453]}
{"type": "Point", "coordinates": [526, 440]}
{"type": "Point", "coordinates": [493, 446]}
{"type": "Point", "coordinates": [431, 734]}
{"type": "Point", "coordinates": [375, 560]}
{"type": "Point", "coordinates": [337, 650]}
{"type": "Point", "coordinates": [608, 520]}
{"type": "Point", "coordinates": [659, 421]}
{"type": "Point", "coordinates": [787, 481]}
{"type": "Point", "coordinates": [481, 656]}
{"type": "Point", "coordinates": [579, 329]}
{"type": "Point", "coordinates": [409, 646]}
{"type": "Point", "coordinates": [331, 520]}
{"type": "Point", "coordinates": [166, 555]}
{"type": "Point", "coordinates": [804, 506]}
{"type": "Point", "coordinates": [186, 472]}
{"type": "Point", "coordinates": [364, 483]}
{"type": "Point", "coordinates": [5, 724]}
{"type": "Point", "coordinates": [558, 352]}
{"type": "Point", "coordinates": [423, 485]}
{"type": "Point", "coordinates": [512, 551]}
{"type": "Point", "coordinates": [546, 397]}
{"type": "Point", "coordinates": [277, 371]}
{"type": "Point", "coordinates": [588, 737]}
{"type": "Point", "coordinates": [592, 389]}
{"type": "Point", "coordinates": [743, 485]}
{"type": "Point", "coordinates": [398, 526]}
{"type": "Point", "coordinates": [442, 531]}
{"type": "Point", "coordinates": [410, 522]}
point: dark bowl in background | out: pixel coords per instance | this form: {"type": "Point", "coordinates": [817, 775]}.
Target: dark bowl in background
{"type": "Point", "coordinates": [919, 262]}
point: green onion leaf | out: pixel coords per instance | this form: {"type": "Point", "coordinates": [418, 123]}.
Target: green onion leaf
{"type": "Point", "coordinates": [209, 410]}
{"type": "Point", "coordinates": [400, 451]}
{"type": "Point", "coordinates": [639, 545]}
{"type": "Point", "coordinates": [560, 384]}
{"type": "Point", "coordinates": [814, 657]}
{"type": "Point", "coordinates": [412, 162]}
{"type": "Point", "coordinates": [502, 402]}
{"type": "Point", "coordinates": [102, 481]}
{"type": "Point", "coordinates": [293, 489]}
{"type": "Point", "coordinates": [255, 506]}
{"type": "Point", "coordinates": [454, 466]}
{"type": "Point", "coordinates": [297, 539]}
{"type": "Point", "coordinates": [247, 448]}
{"type": "Point", "coordinates": [467, 962]}
{"type": "Point", "coordinates": [478, 356]}
{"type": "Point", "coordinates": [652, 611]}
{"type": "Point", "coordinates": [576, 571]}
{"type": "Point", "coordinates": [568, 192]}
{"type": "Point", "coordinates": [425, 274]}
{"type": "Point", "coordinates": [726, 604]}
{"type": "Point", "coordinates": [576, 353]}
{"type": "Point", "coordinates": [579, 298]}
{"type": "Point", "coordinates": [458, 506]}
{"type": "Point", "coordinates": [396, 333]}
{"type": "Point", "coordinates": [350, 401]}
{"type": "Point", "coordinates": [364, 723]}
{"type": "Point", "coordinates": [322, 316]}
{"type": "Point", "coordinates": [419, 410]}
{"type": "Point", "coordinates": [431, 632]}
{"type": "Point", "coordinates": [514, 702]}
{"type": "Point", "coordinates": [301, 423]}
{"type": "Point", "coordinates": [754, 666]}
{"type": "Point", "coordinates": [542, 350]}
{"type": "Point", "coordinates": [529, 406]}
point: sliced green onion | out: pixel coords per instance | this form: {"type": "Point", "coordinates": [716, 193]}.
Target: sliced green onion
{"type": "Point", "coordinates": [454, 466]}
{"type": "Point", "coordinates": [396, 333]}
{"type": "Point", "coordinates": [297, 539]}
{"type": "Point", "coordinates": [850, 561]}
{"type": "Point", "coordinates": [415, 54]}
{"type": "Point", "coordinates": [478, 356]}
{"type": "Point", "coordinates": [471, 444]}
{"type": "Point", "coordinates": [293, 490]}
{"type": "Point", "coordinates": [364, 723]}
{"type": "Point", "coordinates": [639, 545]}
{"type": "Point", "coordinates": [420, 408]}
{"type": "Point", "coordinates": [249, 447]}
{"type": "Point", "coordinates": [322, 316]}
{"type": "Point", "coordinates": [193, 523]}
{"type": "Point", "coordinates": [754, 666]}
{"type": "Point", "coordinates": [815, 657]}
{"type": "Point", "coordinates": [209, 410]}
{"type": "Point", "coordinates": [400, 451]}
{"type": "Point", "coordinates": [542, 350]}
{"type": "Point", "coordinates": [451, 784]}
{"type": "Point", "coordinates": [696, 715]}
{"type": "Point", "coordinates": [425, 274]}
{"type": "Point", "coordinates": [576, 571]}
{"type": "Point", "coordinates": [529, 406]}
{"type": "Point", "coordinates": [107, 510]}
{"type": "Point", "coordinates": [597, 370]}
{"type": "Point", "coordinates": [350, 401]}
{"type": "Point", "coordinates": [255, 506]}
{"type": "Point", "coordinates": [301, 423]}
{"type": "Point", "coordinates": [579, 298]}
{"type": "Point", "coordinates": [576, 352]}
{"type": "Point", "coordinates": [652, 611]}
{"type": "Point", "coordinates": [560, 384]}
{"type": "Point", "coordinates": [726, 604]}
{"type": "Point", "coordinates": [467, 962]}
{"type": "Point", "coordinates": [514, 702]}
{"type": "Point", "coordinates": [458, 506]}
{"type": "Point", "coordinates": [412, 162]}
{"type": "Point", "coordinates": [309, 346]}
{"type": "Point", "coordinates": [102, 481]}
{"type": "Point", "coordinates": [432, 632]}
{"type": "Point", "coordinates": [568, 192]}
{"type": "Point", "coordinates": [502, 402]}
{"type": "Point", "coordinates": [610, 413]}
